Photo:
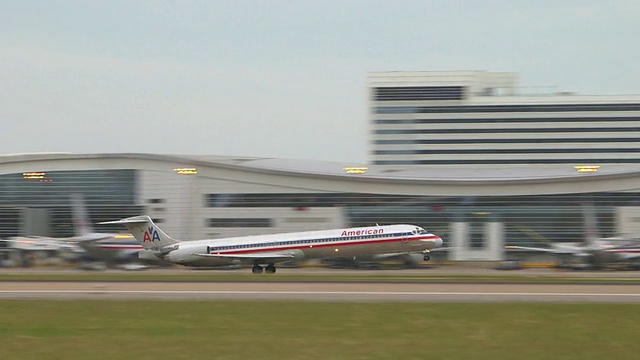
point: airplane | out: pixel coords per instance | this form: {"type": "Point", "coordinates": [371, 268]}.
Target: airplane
{"type": "Point", "coordinates": [101, 248]}
{"type": "Point", "coordinates": [259, 250]}
{"type": "Point", "coordinates": [108, 248]}
{"type": "Point", "coordinates": [595, 250]}
{"type": "Point", "coordinates": [39, 243]}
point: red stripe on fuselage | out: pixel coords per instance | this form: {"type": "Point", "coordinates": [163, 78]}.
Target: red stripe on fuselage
{"type": "Point", "coordinates": [624, 251]}
{"type": "Point", "coordinates": [321, 245]}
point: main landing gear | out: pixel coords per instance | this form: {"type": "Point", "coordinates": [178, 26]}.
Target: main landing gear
{"type": "Point", "coordinates": [269, 269]}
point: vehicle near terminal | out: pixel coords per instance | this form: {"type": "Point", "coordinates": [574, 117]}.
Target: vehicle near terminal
{"type": "Point", "coordinates": [268, 250]}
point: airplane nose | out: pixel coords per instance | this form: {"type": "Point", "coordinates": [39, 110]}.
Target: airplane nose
{"type": "Point", "coordinates": [438, 242]}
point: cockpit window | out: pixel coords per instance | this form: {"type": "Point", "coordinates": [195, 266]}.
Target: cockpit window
{"type": "Point", "coordinates": [419, 231]}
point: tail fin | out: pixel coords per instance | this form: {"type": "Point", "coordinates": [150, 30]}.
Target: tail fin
{"type": "Point", "coordinates": [146, 232]}
{"type": "Point", "coordinates": [590, 219]}
{"type": "Point", "coordinates": [82, 225]}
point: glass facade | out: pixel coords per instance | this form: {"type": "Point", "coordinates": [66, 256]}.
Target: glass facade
{"type": "Point", "coordinates": [450, 133]}
{"type": "Point", "coordinates": [9, 222]}
{"type": "Point", "coordinates": [508, 120]}
{"type": "Point", "coordinates": [507, 141]}
{"type": "Point", "coordinates": [107, 194]}
{"type": "Point", "coordinates": [523, 225]}
{"type": "Point", "coordinates": [505, 108]}
{"type": "Point", "coordinates": [239, 222]}
{"type": "Point", "coordinates": [505, 131]}
{"type": "Point", "coordinates": [295, 200]}
{"type": "Point", "coordinates": [55, 187]}
{"type": "Point", "coordinates": [419, 93]}
{"type": "Point", "coordinates": [526, 219]}
{"type": "Point", "coordinates": [510, 161]}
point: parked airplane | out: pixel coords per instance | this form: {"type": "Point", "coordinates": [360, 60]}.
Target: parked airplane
{"type": "Point", "coordinates": [594, 250]}
{"type": "Point", "coordinates": [259, 250]}
{"type": "Point", "coordinates": [101, 248]}
{"type": "Point", "coordinates": [109, 248]}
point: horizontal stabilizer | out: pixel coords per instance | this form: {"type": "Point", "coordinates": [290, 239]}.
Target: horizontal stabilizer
{"type": "Point", "coordinates": [150, 236]}
{"type": "Point", "coordinates": [126, 221]}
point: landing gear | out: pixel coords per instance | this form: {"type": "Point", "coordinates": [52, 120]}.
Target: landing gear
{"type": "Point", "coordinates": [269, 269]}
{"type": "Point", "coordinates": [426, 255]}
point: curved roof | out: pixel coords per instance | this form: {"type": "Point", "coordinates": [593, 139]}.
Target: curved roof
{"type": "Point", "coordinates": [332, 176]}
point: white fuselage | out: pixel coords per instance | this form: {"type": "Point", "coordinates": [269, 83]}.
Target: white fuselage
{"type": "Point", "coordinates": [604, 251]}
{"type": "Point", "coordinates": [308, 245]}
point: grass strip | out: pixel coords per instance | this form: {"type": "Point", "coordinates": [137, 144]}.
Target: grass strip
{"type": "Point", "coordinates": [303, 330]}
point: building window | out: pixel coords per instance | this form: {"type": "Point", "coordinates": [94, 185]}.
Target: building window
{"type": "Point", "coordinates": [234, 222]}
{"type": "Point", "coordinates": [499, 161]}
{"type": "Point", "coordinates": [510, 108]}
{"type": "Point", "coordinates": [297, 200]}
{"type": "Point", "coordinates": [418, 93]}
{"type": "Point", "coordinates": [507, 131]}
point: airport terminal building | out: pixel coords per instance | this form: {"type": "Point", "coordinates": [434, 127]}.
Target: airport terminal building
{"type": "Point", "coordinates": [477, 211]}
{"type": "Point", "coordinates": [461, 154]}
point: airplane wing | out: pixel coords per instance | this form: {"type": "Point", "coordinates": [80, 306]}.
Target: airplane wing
{"type": "Point", "coordinates": [389, 255]}
{"type": "Point", "coordinates": [89, 238]}
{"type": "Point", "coordinates": [39, 243]}
{"type": "Point", "coordinates": [537, 249]}
{"type": "Point", "coordinates": [275, 257]}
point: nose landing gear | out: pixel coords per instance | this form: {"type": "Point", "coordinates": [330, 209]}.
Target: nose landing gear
{"type": "Point", "coordinates": [426, 255]}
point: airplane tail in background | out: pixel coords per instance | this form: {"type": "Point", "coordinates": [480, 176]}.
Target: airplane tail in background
{"type": "Point", "coordinates": [82, 225]}
{"type": "Point", "coordinates": [146, 232]}
{"type": "Point", "coordinates": [590, 218]}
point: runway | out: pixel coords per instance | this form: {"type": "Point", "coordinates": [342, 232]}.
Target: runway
{"type": "Point", "coordinates": [435, 271]}
{"type": "Point", "coordinates": [323, 291]}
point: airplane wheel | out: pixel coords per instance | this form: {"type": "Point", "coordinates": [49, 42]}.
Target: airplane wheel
{"type": "Point", "coordinates": [270, 269]}
{"type": "Point", "coordinates": [257, 269]}
{"type": "Point", "coordinates": [426, 258]}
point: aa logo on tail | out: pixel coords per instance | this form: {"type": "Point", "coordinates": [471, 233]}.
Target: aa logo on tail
{"type": "Point", "coordinates": [151, 235]}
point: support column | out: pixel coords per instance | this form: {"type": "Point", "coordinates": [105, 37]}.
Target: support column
{"type": "Point", "coordinates": [494, 240]}
{"type": "Point", "coordinates": [493, 250]}
{"type": "Point", "coordinates": [459, 241]}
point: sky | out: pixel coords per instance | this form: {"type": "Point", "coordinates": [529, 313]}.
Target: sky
{"type": "Point", "coordinates": [277, 78]}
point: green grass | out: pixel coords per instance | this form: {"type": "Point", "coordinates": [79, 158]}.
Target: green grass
{"type": "Point", "coordinates": [303, 330]}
